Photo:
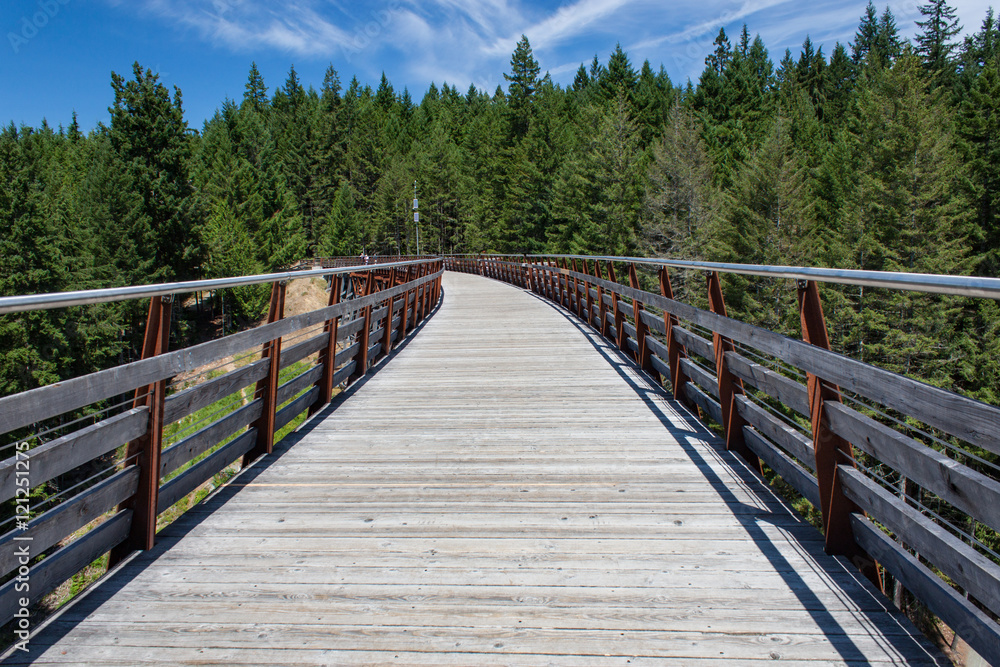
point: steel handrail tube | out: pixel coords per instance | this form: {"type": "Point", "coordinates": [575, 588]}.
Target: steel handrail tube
{"type": "Point", "coordinates": [47, 301]}
{"type": "Point", "coordinates": [931, 283]}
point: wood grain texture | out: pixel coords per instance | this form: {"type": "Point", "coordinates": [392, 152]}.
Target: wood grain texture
{"type": "Point", "coordinates": [507, 489]}
{"type": "Point", "coordinates": [69, 451]}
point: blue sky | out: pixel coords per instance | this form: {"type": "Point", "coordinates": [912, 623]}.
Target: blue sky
{"type": "Point", "coordinates": [56, 56]}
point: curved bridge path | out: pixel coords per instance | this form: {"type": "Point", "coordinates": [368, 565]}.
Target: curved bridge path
{"type": "Point", "coordinates": [506, 489]}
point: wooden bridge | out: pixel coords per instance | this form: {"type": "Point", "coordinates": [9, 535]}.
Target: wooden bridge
{"type": "Point", "coordinates": [510, 484]}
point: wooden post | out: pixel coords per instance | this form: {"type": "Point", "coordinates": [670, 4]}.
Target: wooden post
{"type": "Point", "coordinates": [730, 386]}
{"type": "Point", "coordinates": [361, 357]}
{"type": "Point", "coordinates": [406, 306]}
{"type": "Point", "coordinates": [830, 448]}
{"type": "Point", "coordinates": [643, 355]}
{"type": "Point", "coordinates": [146, 449]}
{"type": "Point", "coordinates": [267, 388]}
{"type": "Point", "coordinates": [328, 355]}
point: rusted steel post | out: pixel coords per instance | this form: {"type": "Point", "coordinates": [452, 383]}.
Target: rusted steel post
{"type": "Point", "coordinates": [589, 300]}
{"type": "Point", "coordinates": [643, 354]}
{"type": "Point", "coordinates": [146, 449]}
{"type": "Point", "coordinates": [406, 305]}
{"type": "Point", "coordinates": [563, 291]}
{"type": "Point", "coordinates": [328, 355]}
{"type": "Point", "coordinates": [674, 349]}
{"type": "Point", "coordinates": [361, 357]}
{"type": "Point", "coordinates": [267, 389]}
{"type": "Point", "coordinates": [730, 386]}
{"type": "Point", "coordinates": [575, 303]}
{"type": "Point", "coordinates": [619, 319]}
{"type": "Point", "coordinates": [387, 327]}
{"type": "Point", "coordinates": [830, 448]}
{"type": "Point", "coordinates": [602, 309]}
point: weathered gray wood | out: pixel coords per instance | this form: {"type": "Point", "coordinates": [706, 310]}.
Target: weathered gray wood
{"type": "Point", "coordinates": [705, 380]}
{"type": "Point", "coordinates": [703, 401]}
{"type": "Point", "coordinates": [963, 487]}
{"type": "Point", "coordinates": [694, 344]}
{"type": "Point", "coordinates": [789, 470]}
{"type": "Point", "coordinates": [655, 322]}
{"type": "Point", "coordinates": [204, 470]}
{"type": "Point", "coordinates": [347, 354]}
{"type": "Point", "coordinates": [302, 350]}
{"type": "Point", "coordinates": [69, 451]}
{"type": "Point", "coordinates": [973, 421]}
{"type": "Point", "coordinates": [205, 438]}
{"type": "Point", "coordinates": [345, 331]}
{"type": "Point", "coordinates": [298, 383]}
{"type": "Point", "coordinates": [43, 403]}
{"type": "Point", "coordinates": [968, 622]}
{"type": "Point", "coordinates": [959, 561]}
{"type": "Point", "coordinates": [343, 374]}
{"type": "Point", "coordinates": [64, 563]}
{"type": "Point", "coordinates": [295, 408]}
{"type": "Point", "coordinates": [786, 390]}
{"type": "Point", "coordinates": [191, 400]}
{"type": "Point", "coordinates": [48, 529]}
{"type": "Point", "coordinates": [661, 366]}
{"type": "Point", "coordinates": [788, 438]}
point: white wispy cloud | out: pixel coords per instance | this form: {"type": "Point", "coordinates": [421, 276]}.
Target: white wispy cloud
{"type": "Point", "coordinates": [304, 27]}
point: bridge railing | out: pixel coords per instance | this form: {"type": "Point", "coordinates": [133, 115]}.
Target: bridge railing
{"type": "Point", "coordinates": [114, 450]}
{"type": "Point", "coordinates": [904, 474]}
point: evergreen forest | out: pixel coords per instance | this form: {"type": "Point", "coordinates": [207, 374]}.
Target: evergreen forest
{"type": "Point", "coordinates": [881, 154]}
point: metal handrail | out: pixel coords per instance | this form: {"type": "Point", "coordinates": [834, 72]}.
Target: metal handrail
{"type": "Point", "coordinates": [914, 282]}
{"type": "Point", "coordinates": [47, 301]}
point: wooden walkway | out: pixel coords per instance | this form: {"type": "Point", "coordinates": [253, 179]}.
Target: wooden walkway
{"type": "Point", "coordinates": [507, 489]}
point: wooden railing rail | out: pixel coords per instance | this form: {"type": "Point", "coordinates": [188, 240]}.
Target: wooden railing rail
{"type": "Point", "coordinates": [720, 367]}
{"type": "Point", "coordinates": [290, 366]}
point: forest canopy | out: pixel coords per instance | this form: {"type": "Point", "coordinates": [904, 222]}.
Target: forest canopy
{"type": "Point", "coordinates": [880, 154]}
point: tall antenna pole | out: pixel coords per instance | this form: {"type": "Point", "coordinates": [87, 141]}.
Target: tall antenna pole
{"type": "Point", "coordinates": [416, 216]}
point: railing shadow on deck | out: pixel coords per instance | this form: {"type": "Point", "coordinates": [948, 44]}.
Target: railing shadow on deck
{"type": "Point", "coordinates": [830, 567]}
{"type": "Point", "coordinates": [64, 621]}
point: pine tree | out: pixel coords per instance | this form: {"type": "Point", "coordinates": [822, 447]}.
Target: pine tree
{"type": "Point", "coordinates": [934, 43]}
{"type": "Point", "coordinates": [866, 37]}
{"type": "Point", "coordinates": [255, 94]}
{"type": "Point", "coordinates": [523, 79]}
{"type": "Point", "coordinates": [151, 150]}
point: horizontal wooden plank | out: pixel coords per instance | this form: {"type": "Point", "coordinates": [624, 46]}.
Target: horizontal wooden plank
{"type": "Point", "coordinates": [694, 344]}
{"type": "Point", "coordinates": [61, 455]}
{"type": "Point", "coordinates": [347, 353]}
{"type": "Point", "coordinates": [205, 438]}
{"type": "Point", "coordinates": [970, 491]}
{"type": "Point", "coordinates": [344, 373]}
{"type": "Point", "coordinates": [64, 563]}
{"type": "Point", "coordinates": [661, 367]}
{"type": "Point", "coordinates": [788, 438]}
{"type": "Point", "coordinates": [958, 560]}
{"type": "Point", "coordinates": [51, 527]}
{"type": "Point", "coordinates": [708, 383]}
{"type": "Point", "coordinates": [191, 400]}
{"type": "Point", "coordinates": [968, 622]}
{"type": "Point", "coordinates": [788, 469]}
{"type": "Point", "coordinates": [309, 377]}
{"type": "Point", "coordinates": [296, 407]}
{"type": "Point", "coordinates": [204, 470]}
{"type": "Point", "coordinates": [302, 350]}
{"type": "Point", "coordinates": [655, 322]}
{"type": "Point", "coordinates": [786, 390]}
{"type": "Point", "coordinates": [703, 401]}
{"type": "Point", "coordinates": [44, 403]}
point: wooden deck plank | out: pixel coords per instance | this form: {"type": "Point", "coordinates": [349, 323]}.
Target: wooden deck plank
{"type": "Point", "coordinates": [507, 489]}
